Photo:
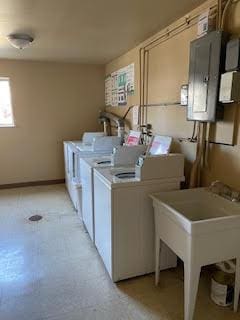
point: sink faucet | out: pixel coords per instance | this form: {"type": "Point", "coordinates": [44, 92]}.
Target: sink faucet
{"type": "Point", "coordinates": [235, 197]}
{"type": "Point", "coordinates": [225, 191]}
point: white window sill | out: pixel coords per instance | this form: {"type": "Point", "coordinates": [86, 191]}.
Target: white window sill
{"type": "Point", "coordinates": [8, 126]}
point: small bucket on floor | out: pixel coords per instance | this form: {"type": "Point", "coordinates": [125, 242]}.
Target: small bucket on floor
{"type": "Point", "coordinates": [222, 285]}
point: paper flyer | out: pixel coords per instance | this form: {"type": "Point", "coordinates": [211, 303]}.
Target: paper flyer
{"type": "Point", "coordinates": [160, 145]}
{"type": "Point", "coordinates": [133, 138]}
{"type": "Point", "coordinates": [108, 91]}
{"type": "Point", "coordinates": [119, 85]}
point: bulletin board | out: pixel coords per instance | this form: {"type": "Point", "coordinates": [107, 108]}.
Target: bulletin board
{"type": "Point", "coordinates": [118, 85]}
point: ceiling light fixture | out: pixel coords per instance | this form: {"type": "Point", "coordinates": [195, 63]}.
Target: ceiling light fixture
{"type": "Point", "coordinates": [20, 40]}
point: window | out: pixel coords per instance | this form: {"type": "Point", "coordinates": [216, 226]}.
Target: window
{"type": "Point", "coordinates": [6, 114]}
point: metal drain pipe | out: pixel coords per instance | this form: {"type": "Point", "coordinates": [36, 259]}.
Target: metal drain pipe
{"type": "Point", "coordinates": [106, 117]}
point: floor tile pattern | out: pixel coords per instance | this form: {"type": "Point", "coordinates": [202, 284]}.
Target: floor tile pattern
{"type": "Point", "coordinates": [50, 270]}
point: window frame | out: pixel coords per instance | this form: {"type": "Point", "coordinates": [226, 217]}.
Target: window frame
{"type": "Point", "coordinates": [13, 124]}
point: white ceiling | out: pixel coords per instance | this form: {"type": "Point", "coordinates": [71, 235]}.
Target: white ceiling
{"type": "Point", "coordinates": [88, 31]}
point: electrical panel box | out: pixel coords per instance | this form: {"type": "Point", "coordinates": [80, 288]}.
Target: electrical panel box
{"type": "Point", "coordinates": [206, 61]}
{"type": "Point", "coordinates": [233, 55]}
{"type": "Point", "coordinates": [230, 87]}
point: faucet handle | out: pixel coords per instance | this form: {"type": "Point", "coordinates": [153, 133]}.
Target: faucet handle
{"type": "Point", "coordinates": [225, 191]}
{"type": "Point", "coordinates": [217, 187]}
{"type": "Point", "coordinates": [235, 197]}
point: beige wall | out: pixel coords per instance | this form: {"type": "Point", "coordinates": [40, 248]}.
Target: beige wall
{"type": "Point", "coordinates": [168, 70]}
{"type": "Point", "coordinates": [52, 102]}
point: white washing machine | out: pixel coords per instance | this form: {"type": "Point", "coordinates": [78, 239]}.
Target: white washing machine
{"type": "Point", "coordinates": [124, 219]}
{"type": "Point", "coordinates": [69, 148]}
{"type": "Point", "coordinates": [69, 160]}
{"type": "Point", "coordinates": [76, 151]}
{"type": "Point", "coordinates": [122, 156]}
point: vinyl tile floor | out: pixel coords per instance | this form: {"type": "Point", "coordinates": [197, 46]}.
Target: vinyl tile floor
{"type": "Point", "coordinates": [50, 270]}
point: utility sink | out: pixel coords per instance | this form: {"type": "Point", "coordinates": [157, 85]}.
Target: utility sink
{"type": "Point", "coordinates": [199, 210]}
{"type": "Point", "coordinates": [202, 228]}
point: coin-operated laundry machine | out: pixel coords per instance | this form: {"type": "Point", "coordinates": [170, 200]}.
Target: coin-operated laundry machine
{"type": "Point", "coordinates": [123, 213]}
{"type": "Point", "coordinates": [69, 148]}
{"type": "Point", "coordinates": [121, 156]}
{"type": "Point", "coordinates": [102, 145]}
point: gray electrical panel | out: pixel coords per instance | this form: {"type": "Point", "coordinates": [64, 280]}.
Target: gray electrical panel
{"type": "Point", "coordinates": [206, 61]}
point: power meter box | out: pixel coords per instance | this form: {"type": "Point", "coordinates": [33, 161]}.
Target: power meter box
{"type": "Point", "coordinates": [230, 87]}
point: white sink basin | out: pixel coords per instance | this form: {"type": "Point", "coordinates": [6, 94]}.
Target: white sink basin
{"type": "Point", "coordinates": [199, 210]}
{"type": "Point", "coordinates": [201, 228]}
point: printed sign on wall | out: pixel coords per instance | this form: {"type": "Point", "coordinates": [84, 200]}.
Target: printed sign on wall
{"type": "Point", "coordinates": [108, 90]}
{"type": "Point", "coordinates": [119, 85]}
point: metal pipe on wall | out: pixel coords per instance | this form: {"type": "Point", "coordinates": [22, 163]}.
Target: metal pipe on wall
{"type": "Point", "coordinates": [143, 87]}
{"type": "Point", "coordinates": [225, 10]}
{"type": "Point", "coordinates": [219, 14]}
{"type": "Point", "coordinates": [195, 176]}
{"type": "Point", "coordinates": [140, 82]}
{"type": "Point", "coordinates": [202, 127]}
{"type": "Point", "coordinates": [215, 10]}
{"type": "Point", "coordinates": [169, 33]}
{"type": "Point", "coordinates": [146, 87]}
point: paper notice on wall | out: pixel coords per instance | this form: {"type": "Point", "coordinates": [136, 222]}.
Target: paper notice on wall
{"type": "Point", "coordinates": [203, 24]}
{"type": "Point", "coordinates": [133, 138]}
{"type": "Point", "coordinates": [160, 145]}
{"type": "Point", "coordinates": [114, 77]}
{"type": "Point", "coordinates": [122, 85]}
{"type": "Point", "coordinates": [130, 78]}
{"type": "Point", "coordinates": [108, 91]}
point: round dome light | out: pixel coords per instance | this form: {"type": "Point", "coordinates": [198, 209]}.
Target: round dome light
{"type": "Point", "coordinates": [20, 40]}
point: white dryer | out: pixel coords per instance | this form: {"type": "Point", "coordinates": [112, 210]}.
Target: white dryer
{"type": "Point", "coordinates": [122, 156]}
{"type": "Point", "coordinates": [124, 219]}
